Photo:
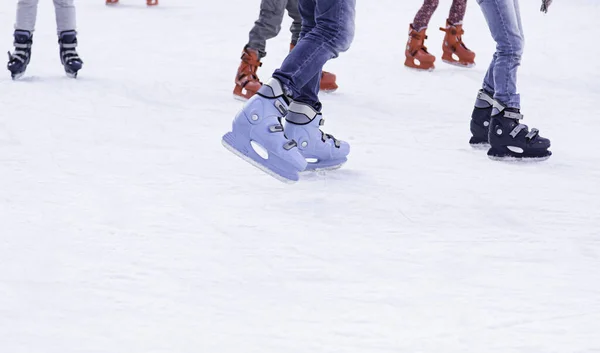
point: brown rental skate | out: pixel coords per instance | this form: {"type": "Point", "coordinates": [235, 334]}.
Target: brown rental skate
{"type": "Point", "coordinates": [417, 56]}
{"type": "Point", "coordinates": [151, 2]}
{"type": "Point", "coordinates": [455, 51]}
{"type": "Point", "coordinates": [246, 81]}
{"type": "Point", "coordinates": [112, 2]}
{"type": "Point", "coordinates": [328, 80]}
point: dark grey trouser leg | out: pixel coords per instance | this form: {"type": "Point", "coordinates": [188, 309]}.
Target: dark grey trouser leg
{"type": "Point", "coordinates": [268, 24]}
{"type": "Point", "coordinates": [296, 27]}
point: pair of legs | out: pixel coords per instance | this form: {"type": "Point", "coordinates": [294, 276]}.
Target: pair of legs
{"type": "Point", "coordinates": [496, 116]}
{"type": "Point", "coordinates": [25, 26]}
{"type": "Point", "coordinates": [454, 50]}
{"type": "Point", "coordinates": [266, 27]}
{"type": "Point", "coordinates": [292, 93]}
{"type": "Point", "coordinates": [27, 15]}
{"type": "Point", "coordinates": [457, 13]}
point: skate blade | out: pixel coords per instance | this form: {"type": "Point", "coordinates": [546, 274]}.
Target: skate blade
{"type": "Point", "coordinates": [71, 74]}
{"type": "Point", "coordinates": [480, 146]}
{"type": "Point", "coordinates": [16, 77]}
{"type": "Point", "coordinates": [419, 70]}
{"type": "Point", "coordinates": [331, 165]}
{"type": "Point", "coordinates": [240, 98]}
{"type": "Point", "coordinates": [504, 157]}
{"type": "Point", "coordinates": [328, 91]}
{"type": "Point", "coordinates": [458, 64]}
{"type": "Point", "coordinates": [228, 137]}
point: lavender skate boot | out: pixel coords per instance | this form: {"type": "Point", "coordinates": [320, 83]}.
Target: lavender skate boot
{"type": "Point", "coordinates": [480, 119]}
{"type": "Point", "coordinates": [321, 150]}
{"type": "Point", "coordinates": [257, 135]}
{"type": "Point", "coordinates": [514, 141]}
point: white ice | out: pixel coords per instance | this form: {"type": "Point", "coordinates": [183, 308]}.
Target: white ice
{"type": "Point", "coordinates": [125, 226]}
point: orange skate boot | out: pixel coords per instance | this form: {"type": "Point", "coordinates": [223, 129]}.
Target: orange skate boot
{"type": "Point", "coordinates": [246, 81]}
{"type": "Point", "coordinates": [151, 2]}
{"type": "Point", "coordinates": [455, 51]}
{"type": "Point", "coordinates": [328, 80]}
{"type": "Point", "coordinates": [112, 2]}
{"type": "Point", "coordinates": [417, 56]}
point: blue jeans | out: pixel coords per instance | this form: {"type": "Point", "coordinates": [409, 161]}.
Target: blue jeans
{"type": "Point", "coordinates": [504, 20]}
{"type": "Point", "coordinates": [327, 30]}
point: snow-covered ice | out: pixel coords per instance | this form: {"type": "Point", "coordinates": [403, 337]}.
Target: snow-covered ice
{"type": "Point", "coordinates": [125, 226]}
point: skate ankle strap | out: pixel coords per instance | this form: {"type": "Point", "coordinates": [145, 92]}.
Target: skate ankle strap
{"type": "Point", "coordinates": [271, 89]}
{"type": "Point", "coordinates": [483, 96]}
{"type": "Point", "coordinates": [301, 113]}
{"type": "Point", "coordinates": [68, 45]}
{"type": "Point", "coordinates": [22, 45]}
{"type": "Point", "coordinates": [512, 115]}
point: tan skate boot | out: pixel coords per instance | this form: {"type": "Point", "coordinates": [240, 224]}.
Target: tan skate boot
{"type": "Point", "coordinates": [455, 51]}
{"type": "Point", "coordinates": [246, 81]}
{"type": "Point", "coordinates": [417, 56]}
{"type": "Point", "coordinates": [328, 80]}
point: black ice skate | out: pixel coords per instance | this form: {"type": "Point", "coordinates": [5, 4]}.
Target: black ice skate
{"type": "Point", "coordinates": [480, 119]}
{"type": "Point", "coordinates": [68, 53]}
{"type": "Point", "coordinates": [19, 59]}
{"type": "Point", "coordinates": [511, 140]}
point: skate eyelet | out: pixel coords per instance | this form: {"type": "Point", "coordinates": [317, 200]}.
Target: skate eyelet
{"type": "Point", "coordinates": [499, 132]}
{"type": "Point", "coordinates": [254, 117]}
{"type": "Point", "coordinates": [486, 123]}
{"type": "Point", "coordinates": [304, 144]}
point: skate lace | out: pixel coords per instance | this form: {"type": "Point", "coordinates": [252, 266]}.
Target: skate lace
{"type": "Point", "coordinates": [325, 137]}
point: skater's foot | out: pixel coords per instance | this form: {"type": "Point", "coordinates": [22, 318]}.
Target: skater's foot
{"type": "Point", "coordinates": [68, 53]}
{"type": "Point", "coordinates": [455, 52]}
{"type": "Point", "coordinates": [480, 119]}
{"type": "Point", "coordinates": [19, 59]}
{"type": "Point", "coordinates": [246, 79]}
{"type": "Point", "coordinates": [328, 82]}
{"type": "Point", "coordinates": [511, 140]}
{"type": "Point", "coordinates": [321, 150]}
{"type": "Point", "coordinates": [257, 135]}
{"type": "Point", "coordinates": [417, 56]}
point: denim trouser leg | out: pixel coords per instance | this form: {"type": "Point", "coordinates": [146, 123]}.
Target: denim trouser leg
{"type": "Point", "coordinates": [327, 30]}
{"type": "Point", "coordinates": [504, 20]}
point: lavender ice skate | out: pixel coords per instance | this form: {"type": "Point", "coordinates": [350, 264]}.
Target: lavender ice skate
{"type": "Point", "coordinates": [321, 150]}
{"type": "Point", "coordinates": [257, 135]}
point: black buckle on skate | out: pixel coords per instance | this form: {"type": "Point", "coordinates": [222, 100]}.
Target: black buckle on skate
{"type": "Point", "coordinates": [289, 145]}
{"type": "Point", "coordinates": [276, 128]}
{"type": "Point", "coordinates": [517, 129]}
{"type": "Point", "coordinates": [513, 115]}
{"type": "Point", "coordinates": [482, 95]}
{"type": "Point", "coordinates": [532, 134]}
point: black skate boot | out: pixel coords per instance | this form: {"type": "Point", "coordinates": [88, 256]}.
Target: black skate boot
{"type": "Point", "coordinates": [68, 53]}
{"type": "Point", "coordinates": [480, 119]}
{"type": "Point", "coordinates": [18, 61]}
{"type": "Point", "coordinates": [511, 140]}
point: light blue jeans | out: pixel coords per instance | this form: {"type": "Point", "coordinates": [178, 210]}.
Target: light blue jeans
{"type": "Point", "coordinates": [504, 20]}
